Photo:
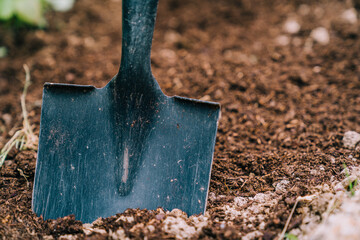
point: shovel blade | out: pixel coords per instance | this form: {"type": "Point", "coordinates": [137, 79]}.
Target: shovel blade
{"type": "Point", "coordinates": [101, 153]}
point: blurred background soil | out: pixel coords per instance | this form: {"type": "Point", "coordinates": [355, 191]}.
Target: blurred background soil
{"type": "Point", "coordinates": [288, 95]}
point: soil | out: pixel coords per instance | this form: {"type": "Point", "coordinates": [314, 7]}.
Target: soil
{"type": "Point", "coordinates": [286, 105]}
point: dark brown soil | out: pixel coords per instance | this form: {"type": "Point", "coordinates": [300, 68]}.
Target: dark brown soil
{"type": "Point", "coordinates": [284, 108]}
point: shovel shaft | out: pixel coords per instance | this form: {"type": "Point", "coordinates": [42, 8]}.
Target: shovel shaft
{"type": "Point", "coordinates": [138, 27]}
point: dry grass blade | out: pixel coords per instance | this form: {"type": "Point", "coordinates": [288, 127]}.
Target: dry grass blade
{"type": "Point", "coordinates": [25, 138]}
{"type": "Point", "coordinates": [306, 198]}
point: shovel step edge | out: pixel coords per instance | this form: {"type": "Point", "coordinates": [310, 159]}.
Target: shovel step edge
{"type": "Point", "coordinates": [215, 105]}
{"type": "Point", "coordinates": [48, 85]}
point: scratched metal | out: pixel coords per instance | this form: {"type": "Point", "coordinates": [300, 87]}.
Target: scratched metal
{"type": "Point", "coordinates": [127, 145]}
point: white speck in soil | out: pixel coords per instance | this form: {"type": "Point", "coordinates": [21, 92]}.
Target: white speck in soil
{"type": "Point", "coordinates": [291, 26]}
{"type": "Point", "coordinates": [320, 35]}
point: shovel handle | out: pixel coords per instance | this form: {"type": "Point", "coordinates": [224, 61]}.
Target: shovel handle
{"type": "Point", "coordinates": [138, 21]}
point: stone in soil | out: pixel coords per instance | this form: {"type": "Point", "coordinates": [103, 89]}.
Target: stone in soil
{"type": "Point", "coordinates": [351, 139]}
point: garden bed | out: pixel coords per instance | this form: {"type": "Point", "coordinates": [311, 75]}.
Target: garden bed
{"type": "Point", "coordinates": [287, 101]}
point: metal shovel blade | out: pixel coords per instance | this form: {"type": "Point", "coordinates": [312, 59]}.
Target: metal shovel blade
{"type": "Point", "coordinates": [126, 145]}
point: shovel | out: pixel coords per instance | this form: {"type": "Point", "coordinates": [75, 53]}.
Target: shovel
{"type": "Point", "coordinates": [127, 145]}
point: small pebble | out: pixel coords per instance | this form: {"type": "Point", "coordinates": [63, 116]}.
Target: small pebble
{"type": "Point", "coordinates": [67, 237]}
{"type": "Point", "coordinates": [240, 201]}
{"type": "Point", "coordinates": [7, 119]}
{"type": "Point", "coordinates": [151, 228]}
{"type": "Point", "coordinates": [172, 37]}
{"type": "Point", "coordinates": [317, 69]}
{"type": "Point", "coordinates": [350, 15]}
{"type": "Point", "coordinates": [282, 40]}
{"type": "Point", "coordinates": [177, 213]}
{"type": "Point", "coordinates": [282, 186]}
{"type": "Point", "coordinates": [351, 138]}
{"type": "Point", "coordinates": [61, 5]}
{"type": "Point", "coordinates": [160, 216]}
{"type": "Point", "coordinates": [212, 195]}
{"type": "Point", "coordinates": [291, 26]}
{"type": "Point", "coordinates": [320, 35]}
{"type": "Point", "coordinates": [168, 54]}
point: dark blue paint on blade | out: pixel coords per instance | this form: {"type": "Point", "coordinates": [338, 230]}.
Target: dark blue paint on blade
{"type": "Point", "coordinates": [81, 155]}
